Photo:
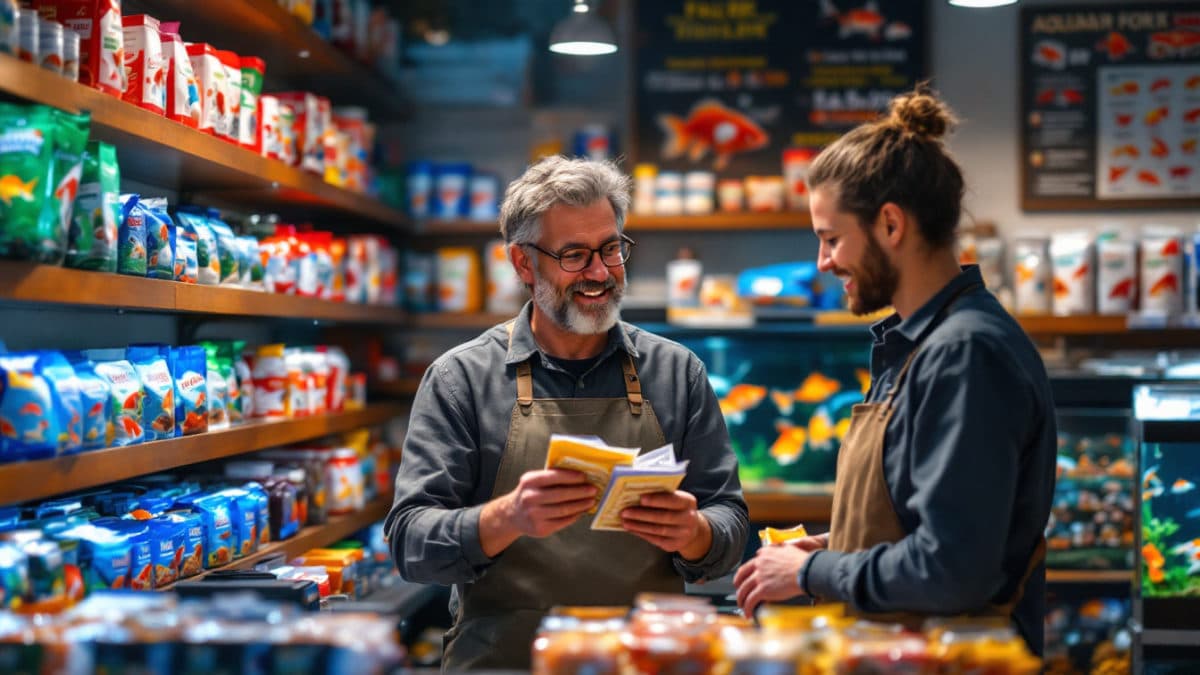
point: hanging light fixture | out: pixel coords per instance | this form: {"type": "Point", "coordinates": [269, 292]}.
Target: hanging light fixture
{"type": "Point", "coordinates": [981, 3]}
{"type": "Point", "coordinates": [582, 33]}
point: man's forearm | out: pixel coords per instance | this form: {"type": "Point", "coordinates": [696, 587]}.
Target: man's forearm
{"type": "Point", "coordinates": [695, 550]}
{"type": "Point", "coordinates": [496, 530]}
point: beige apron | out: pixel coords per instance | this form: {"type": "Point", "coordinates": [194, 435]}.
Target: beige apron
{"type": "Point", "coordinates": [499, 613]}
{"type": "Point", "coordinates": [863, 513]}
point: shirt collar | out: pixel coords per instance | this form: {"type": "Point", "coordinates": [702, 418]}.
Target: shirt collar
{"type": "Point", "coordinates": [921, 321]}
{"type": "Point", "coordinates": [523, 345]}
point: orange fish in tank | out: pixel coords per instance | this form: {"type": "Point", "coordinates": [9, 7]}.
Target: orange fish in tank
{"type": "Point", "coordinates": [789, 446]}
{"type": "Point", "coordinates": [816, 388]}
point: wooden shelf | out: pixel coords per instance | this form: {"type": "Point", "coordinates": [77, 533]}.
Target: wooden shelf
{"type": "Point", "coordinates": [457, 320]}
{"type": "Point", "coordinates": [405, 387]}
{"type": "Point", "coordinates": [315, 536]}
{"type": "Point", "coordinates": [1073, 325]}
{"type": "Point", "coordinates": [46, 284]}
{"type": "Point", "coordinates": [1089, 576]}
{"type": "Point", "coordinates": [153, 149]}
{"type": "Point", "coordinates": [717, 222]}
{"type": "Point", "coordinates": [23, 481]}
{"type": "Point", "coordinates": [295, 55]}
{"type": "Point", "coordinates": [780, 507]}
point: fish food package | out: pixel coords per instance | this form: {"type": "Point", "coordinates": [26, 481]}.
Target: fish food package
{"type": "Point", "coordinates": [770, 535]}
{"type": "Point", "coordinates": [93, 399]}
{"type": "Point", "coordinates": [101, 39]}
{"type": "Point", "coordinates": [92, 238]}
{"type": "Point", "coordinates": [131, 237]}
{"type": "Point", "coordinates": [64, 392]}
{"type": "Point", "coordinates": [222, 354]}
{"type": "Point", "coordinates": [158, 404]}
{"type": "Point", "coordinates": [144, 64]}
{"type": "Point", "coordinates": [190, 371]}
{"type": "Point", "coordinates": [28, 427]}
{"type": "Point", "coordinates": [160, 239]}
{"type": "Point", "coordinates": [192, 562]}
{"type": "Point", "coordinates": [590, 456]}
{"type": "Point", "coordinates": [194, 224]}
{"type": "Point", "coordinates": [186, 267]}
{"type": "Point", "coordinates": [183, 92]}
{"type": "Point", "coordinates": [124, 400]}
{"type": "Point", "coordinates": [26, 160]}
{"type": "Point", "coordinates": [218, 389]}
{"type": "Point", "coordinates": [270, 383]}
{"type": "Point", "coordinates": [70, 142]}
{"type": "Point", "coordinates": [227, 248]}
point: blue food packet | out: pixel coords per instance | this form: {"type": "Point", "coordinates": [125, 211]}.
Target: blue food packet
{"type": "Point", "coordinates": [68, 408]}
{"type": "Point", "coordinates": [194, 223]}
{"type": "Point", "coordinates": [93, 400]}
{"type": "Point", "coordinates": [131, 237]}
{"type": "Point", "coordinates": [160, 239]}
{"type": "Point", "coordinates": [158, 387]}
{"type": "Point", "coordinates": [28, 427]}
{"type": "Point", "coordinates": [190, 372]}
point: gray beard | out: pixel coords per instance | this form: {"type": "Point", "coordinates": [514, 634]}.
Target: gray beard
{"type": "Point", "coordinates": [564, 312]}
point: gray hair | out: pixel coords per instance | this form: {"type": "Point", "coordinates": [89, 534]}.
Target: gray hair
{"type": "Point", "coordinates": [556, 179]}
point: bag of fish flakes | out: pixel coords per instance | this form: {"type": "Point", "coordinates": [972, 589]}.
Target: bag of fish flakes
{"type": "Point", "coordinates": [218, 389]}
{"type": "Point", "coordinates": [160, 239]}
{"type": "Point", "coordinates": [68, 408]}
{"type": "Point", "coordinates": [131, 247]}
{"type": "Point", "coordinates": [189, 368]}
{"type": "Point", "coordinates": [92, 239]}
{"type": "Point", "coordinates": [70, 141]}
{"type": "Point", "coordinates": [124, 399]}
{"type": "Point", "coordinates": [26, 157]}
{"type": "Point", "coordinates": [28, 429]}
{"type": "Point", "coordinates": [208, 260]}
{"type": "Point", "coordinates": [186, 268]}
{"type": "Point", "coordinates": [158, 404]}
{"type": "Point", "coordinates": [93, 399]}
{"type": "Point", "coordinates": [227, 247]}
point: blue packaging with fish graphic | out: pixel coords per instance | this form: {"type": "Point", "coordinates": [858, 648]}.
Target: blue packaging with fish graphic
{"type": "Point", "coordinates": [28, 427]}
{"type": "Point", "coordinates": [14, 576]}
{"type": "Point", "coordinates": [192, 540]}
{"type": "Point", "coordinates": [168, 548]}
{"type": "Point", "coordinates": [243, 513]}
{"type": "Point", "coordinates": [124, 401]}
{"type": "Point", "coordinates": [158, 402]}
{"type": "Point", "coordinates": [93, 400]}
{"type": "Point", "coordinates": [105, 555]}
{"type": "Point", "coordinates": [189, 367]}
{"type": "Point", "coordinates": [68, 407]}
{"type": "Point", "coordinates": [186, 269]}
{"type": "Point", "coordinates": [131, 237]}
{"type": "Point", "coordinates": [214, 512]}
{"type": "Point", "coordinates": [141, 545]}
{"type": "Point", "coordinates": [194, 224]}
{"type": "Point", "coordinates": [160, 239]}
{"type": "Point", "coordinates": [227, 247]}
{"type": "Point", "coordinates": [262, 511]}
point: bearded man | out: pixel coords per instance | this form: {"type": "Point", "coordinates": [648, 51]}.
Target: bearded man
{"type": "Point", "coordinates": [474, 507]}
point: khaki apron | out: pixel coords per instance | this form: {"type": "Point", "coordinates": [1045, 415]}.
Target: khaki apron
{"type": "Point", "coordinates": [863, 513]}
{"type": "Point", "coordinates": [500, 612]}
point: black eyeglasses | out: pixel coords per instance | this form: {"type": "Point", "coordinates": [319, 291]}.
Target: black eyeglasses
{"type": "Point", "coordinates": [577, 258]}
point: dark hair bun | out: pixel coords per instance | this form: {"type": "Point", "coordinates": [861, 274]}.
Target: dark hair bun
{"type": "Point", "coordinates": [920, 113]}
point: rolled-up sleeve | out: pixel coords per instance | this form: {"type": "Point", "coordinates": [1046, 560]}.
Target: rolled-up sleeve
{"type": "Point", "coordinates": [434, 534]}
{"type": "Point", "coordinates": [712, 478]}
{"type": "Point", "coordinates": [970, 413]}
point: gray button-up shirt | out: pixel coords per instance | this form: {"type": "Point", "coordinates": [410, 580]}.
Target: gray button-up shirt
{"type": "Point", "coordinates": [459, 425]}
{"type": "Point", "coordinates": [969, 462]}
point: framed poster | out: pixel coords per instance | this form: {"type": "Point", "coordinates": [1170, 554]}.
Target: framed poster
{"type": "Point", "coordinates": [727, 86]}
{"type": "Point", "coordinates": [1110, 106]}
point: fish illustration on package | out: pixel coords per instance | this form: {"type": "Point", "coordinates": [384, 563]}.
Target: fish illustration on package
{"type": "Point", "coordinates": [1116, 45]}
{"type": "Point", "coordinates": [12, 187]}
{"type": "Point", "coordinates": [710, 125]}
{"type": "Point", "coordinates": [789, 445]}
{"type": "Point", "coordinates": [865, 20]}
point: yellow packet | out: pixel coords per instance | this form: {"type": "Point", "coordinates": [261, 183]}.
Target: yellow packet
{"type": "Point", "coordinates": [589, 456]}
{"type": "Point", "coordinates": [770, 535]}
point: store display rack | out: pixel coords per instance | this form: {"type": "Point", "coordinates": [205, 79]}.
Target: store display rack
{"type": "Point", "coordinates": [715, 222]}
{"type": "Point", "coordinates": [313, 536]}
{"type": "Point", "coordinates": [49, 285]}
{"type": "Point", "coordinates": [153, 149]}
{"type": "Point", "coordinates": [39, 479]}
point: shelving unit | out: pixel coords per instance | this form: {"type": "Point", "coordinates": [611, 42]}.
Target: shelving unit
{"type": "Point", "coordinates": [781, 507]}
{"type": "Point", "coordinates": [1089, 576]}
{"type": "Point", "coordinates": [314, 536]}
{"type": "Point", "coordinates": [153, 149]}
{"type": "Point", "coordinates": [23, 481]}
{"type": "Point", "coordinates": [715, 222]}
{"type": "Point", "coordinates": [46, 284]}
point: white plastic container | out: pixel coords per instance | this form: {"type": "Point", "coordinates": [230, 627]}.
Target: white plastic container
{"type": "Point", "coordinates": [1074, 279]}
{"type": "Point", "coordinates": [1161, 271]}
{"type": "Point", "coordinates": [1116, 275]}
{"type": "Point", "coordinates": [1031, 276]}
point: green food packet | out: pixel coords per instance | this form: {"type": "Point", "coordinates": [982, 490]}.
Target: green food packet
{"type": "Point", "coordinates": [26, 156]}
{"type": "Point", "coordinates": [92, 241]}
{"type": "Point", "coordinates": [70, 141]}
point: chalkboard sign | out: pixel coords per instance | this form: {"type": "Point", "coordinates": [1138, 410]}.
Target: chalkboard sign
{"type": "Point", "coordinates": [1110, 106]}
{"type": "Point", "coordinates": [726, 86]}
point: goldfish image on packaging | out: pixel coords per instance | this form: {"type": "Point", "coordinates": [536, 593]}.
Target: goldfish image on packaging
{"type": "Point", "coordinates": [1116, 276]}
{"type": "Point", "coordinates": [710, 125]}
{"type": "Point", "coordinates": [124, 401]}
{"type": "Point", "coordinates": [1070, 256]}
{"type": "Point", "coordinates": [1032, 276]}
{"type": "Point", "coordinates": [158, 387]}
{"type": "Point", "coordinates": [101, 39]}
{"type": "Point", "coordinates": [145, 67]}
{"type": "Point", "coordinates": [1161, 272]}
{"type": "Point", "coordinates": [28, 427]}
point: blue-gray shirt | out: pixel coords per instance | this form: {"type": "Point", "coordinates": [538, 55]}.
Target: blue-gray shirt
{"type": "Point", "coordinates": [459, 425]}
{"type": "Point", "coordinates": [969, 462]}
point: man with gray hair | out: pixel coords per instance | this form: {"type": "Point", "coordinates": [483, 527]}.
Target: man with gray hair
{"type": "Point", "coordinates": [474, 507]}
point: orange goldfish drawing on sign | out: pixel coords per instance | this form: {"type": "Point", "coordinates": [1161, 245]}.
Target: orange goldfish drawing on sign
{"type": "Point", "coordinates": [711, 126]}
{"type": "Point", "coordinates": [1116, 45]}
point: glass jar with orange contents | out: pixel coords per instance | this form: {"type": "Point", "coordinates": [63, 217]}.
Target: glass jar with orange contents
{"type": "Point", "coordinates": [685, 640]}
{"type": "Point", "coordinates": [885, 649]}
{"type": "Point", "coordinates": [568, 644]}
{"type": "Point", "coordinates": [344, 482]}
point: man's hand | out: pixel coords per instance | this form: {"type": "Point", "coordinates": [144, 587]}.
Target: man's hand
{"type": "Point", "coordinates": [771, 575]}
{"type": "Point", "coordinates": [670, 521]}
{"type": "Point", "coordinates": [543, 503]}
{"type": "Point", "coordinates": [811, 543]}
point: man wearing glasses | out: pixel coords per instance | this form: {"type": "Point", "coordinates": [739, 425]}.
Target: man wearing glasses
{"type": "Point", "coordinates": [474, 507]}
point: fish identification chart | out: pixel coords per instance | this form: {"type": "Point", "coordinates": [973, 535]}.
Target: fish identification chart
{"type": "Point", "coordinates": [726, 86]}
{"type": "Point", "coordinates": [1111, 106]}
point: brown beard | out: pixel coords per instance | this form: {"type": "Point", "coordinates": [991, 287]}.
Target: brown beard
{"type": "Point", "coordinates": [875, 280]}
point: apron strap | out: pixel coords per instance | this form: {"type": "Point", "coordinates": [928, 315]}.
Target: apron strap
{"type": "Point", "coordinates": [633, 385]}
{"type": "Point", "coordinates": [524, 377]}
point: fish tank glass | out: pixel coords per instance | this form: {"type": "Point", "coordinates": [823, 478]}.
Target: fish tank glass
{"type": "Point", "coordinates": [786, 393]}
{"type": "Point", "coordinates": [1168, 550]}
{"type": "Point", "coordinates": [1091, 522]}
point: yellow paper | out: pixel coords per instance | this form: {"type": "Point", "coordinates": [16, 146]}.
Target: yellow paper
{"type": "Point", "coordinates": [594, 462]}
{"type": "Point", "coordinates": [770, 535]}
{"type": "Point", "coordinates": [627, 491]}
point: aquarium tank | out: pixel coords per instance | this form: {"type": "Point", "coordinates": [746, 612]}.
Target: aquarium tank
{"type": "Point", "coordinates": [1091, 522]}
{"type": "Point", "coordinates": [786, 392]}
